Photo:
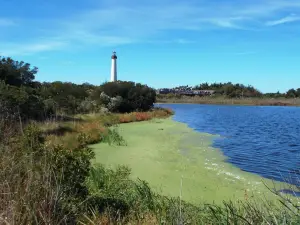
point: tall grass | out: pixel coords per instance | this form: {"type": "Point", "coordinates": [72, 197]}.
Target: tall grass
{"type": "Point", "coordinates": [29, 188]}
{"type": "Point", "coordinates": [144, 116]}
{"type": "Point", "coordinates": [113, 137]}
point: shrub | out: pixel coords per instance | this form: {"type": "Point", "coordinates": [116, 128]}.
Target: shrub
{"type": "Point", "coordinates": [73, 166]}
{"type": "Point", "coordinates": [113, 137]}
{"type": "Point", "coordinates": [123, 96]}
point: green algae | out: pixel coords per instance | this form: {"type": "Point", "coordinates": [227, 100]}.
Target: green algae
{"type": "Point", "coordinates": [164, 152]}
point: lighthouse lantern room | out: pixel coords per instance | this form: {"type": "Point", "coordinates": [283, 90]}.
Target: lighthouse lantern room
{"type": "Point", "coordinates": [113, 74]}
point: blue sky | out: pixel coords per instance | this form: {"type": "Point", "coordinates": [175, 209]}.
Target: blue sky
{"type": "Point", "coordinates": [161, 43]}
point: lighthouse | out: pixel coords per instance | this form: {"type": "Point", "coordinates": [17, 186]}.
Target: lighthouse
{"type": "Point", "coordinates": [113, 73]}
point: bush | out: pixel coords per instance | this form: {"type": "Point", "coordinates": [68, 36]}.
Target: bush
{"type": "Point", "coordinates": [113, 137]}
{"type": "Point", "coordinates": [123, 96]}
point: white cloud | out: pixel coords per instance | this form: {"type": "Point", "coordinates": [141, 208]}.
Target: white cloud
{"type": "Point", "coordinates": [287, 19]}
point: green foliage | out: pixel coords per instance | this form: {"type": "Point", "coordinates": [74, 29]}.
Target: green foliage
{"type": "Point", "coordinates": [69, 98]}
{"type": "Point", "coordinates": [34, 100]}
{"type": "Point", "coordinates": [47, 183]}
{"type": "Point", "coordinates": [28, 181]}
{"type": "Point", "coordinates": [73, 165]}
{"type": "Point", "coordinates": [274, 95]}
{"type": "Point", "coordinates": [113, 191]}
{"type": "Point", "coordinates": [123, 96]}
{"type": "Point", "coordinates": [23, 100]}
{"type": "Point", "coordinates": [16, 73]}
{"type": "Point", "coordinates": [230, 90]}
{"type": "Point", "coordinates": [292, 93]}
{"type": "Point", "coordinates": [113, 137]}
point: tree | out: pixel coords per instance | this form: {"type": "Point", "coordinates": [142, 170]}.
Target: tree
{"type": "Point", "coordinates": [124, 96]}
{"type": "Point", "coordinates": [16, 73]}
{"type": "Point", "coordinates": [292, 93]}
{"type": "Point", "coordinates": [298, 92]}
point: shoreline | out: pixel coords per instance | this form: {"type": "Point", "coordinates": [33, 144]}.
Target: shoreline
{"type": "Point", "coordinates": [234, 102]}
{"type": "Point", "coordinates": [163, 151]}
{"type": "Point", "coordinates": [224, 104]}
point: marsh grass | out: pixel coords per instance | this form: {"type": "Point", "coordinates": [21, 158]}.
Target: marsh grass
{"type": "Point", "coordinates": [219, 100]}
{"type": "Point", "coordinates": [96, 127]}
{"type": "Point", "coordinates": [29, 189]}
{"type": "Point", "coordinates": [113, 137]}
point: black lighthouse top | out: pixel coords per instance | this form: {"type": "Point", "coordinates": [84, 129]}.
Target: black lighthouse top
{"type": "Point", "coordinates": [114, 56]}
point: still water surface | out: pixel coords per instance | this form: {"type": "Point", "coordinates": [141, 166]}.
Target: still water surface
{"type": "Point", "coordinates": [258, 139]}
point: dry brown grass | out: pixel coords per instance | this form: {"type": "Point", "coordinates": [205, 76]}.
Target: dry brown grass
{"type": "Point", "coordinates": [94, 126]}
{"type": "Point", "coordinates": [144, 116]}
{"type": "Point", "coordinates": [232, 101]}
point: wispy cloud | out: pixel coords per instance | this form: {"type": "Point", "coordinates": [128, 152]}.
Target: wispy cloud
{"type": "Point", "coordinates": [287, 19]}
{"type": "Point", "coordinates": [183, 41]}
{"type": "Point", "coordinates": [233, 23]}
{"type": "Point", "coordinates": [6, 22]}
{"type": "Point", "coordinates": [31, 48]}
{"type": "Point", "coordinates": [135, 21]}
{"type": "Point", "coordinates": [126, 25]}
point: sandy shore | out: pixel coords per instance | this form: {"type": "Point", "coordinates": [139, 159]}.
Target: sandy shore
{"type": "Point", "coordinates": [163, 152]}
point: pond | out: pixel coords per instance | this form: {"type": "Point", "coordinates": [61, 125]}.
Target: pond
{"type": "Point", "coordinates": [260, 139]}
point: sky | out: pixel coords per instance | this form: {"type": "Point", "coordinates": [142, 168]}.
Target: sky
{"type": "Point", "coordinates": [161, 43]}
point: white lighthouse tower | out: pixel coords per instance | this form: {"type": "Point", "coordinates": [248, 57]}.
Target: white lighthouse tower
{"type": "Point", "coordinates": [113, 73]}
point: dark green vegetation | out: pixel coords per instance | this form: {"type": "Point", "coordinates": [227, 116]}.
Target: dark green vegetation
{"type": "Point", "coordinates": [46, 175]}
{"type": "Point", "coordinates": [231, 90]}
{"type": "Point", "coordinates": [234, 94]}
{"type": "Point", "coordinates": [34, 100]}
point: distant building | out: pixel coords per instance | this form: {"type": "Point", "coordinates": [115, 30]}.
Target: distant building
{"type": "Point", "coordinates": [185, 91]}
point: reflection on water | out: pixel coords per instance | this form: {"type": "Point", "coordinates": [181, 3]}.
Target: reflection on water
{"type": "Point", "coordinates": [258, 139]}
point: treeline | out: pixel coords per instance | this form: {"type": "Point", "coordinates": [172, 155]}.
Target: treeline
{"type": "Point", "coordinates": [230, 90]}
{"type": "Point", "coordinates": [242, 91]}
{"type": "Point", "coordinates": [20, 92]}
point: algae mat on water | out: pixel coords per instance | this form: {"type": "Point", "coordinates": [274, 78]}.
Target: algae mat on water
{"type": "Point", "coordinates": [163, 152]}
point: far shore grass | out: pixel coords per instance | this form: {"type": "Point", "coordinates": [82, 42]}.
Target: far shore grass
{"type": "Point", "coordinates": [231, 101]}
{"type": "Point", "coordinates": [163, 152]}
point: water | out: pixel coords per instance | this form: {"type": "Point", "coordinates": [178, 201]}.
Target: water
{"type": "Point", "coordinates": [258, 139]}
